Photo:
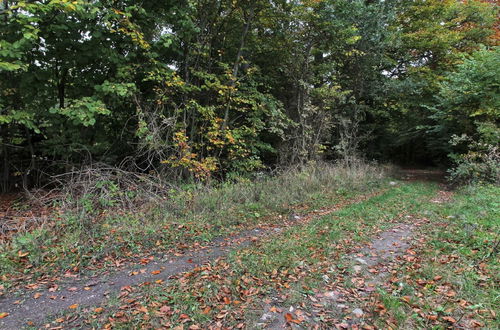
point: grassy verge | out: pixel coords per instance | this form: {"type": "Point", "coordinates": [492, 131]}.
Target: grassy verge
{"type": "Point", "coordinates": [453, 278]}
{"type": "Point", "coordinates": [100, 231]}
{"type": "Point", "coordinates": [229, 291]}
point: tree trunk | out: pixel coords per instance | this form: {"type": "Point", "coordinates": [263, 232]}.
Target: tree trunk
{"type": "Point", "coordinates": [61, 88]}
{"type": "Point", "coordinates": [32, 166]}
{"type": "Point", "coordinates": [236, 66]}
{"type": "Point", "coordinates": [4, 183]}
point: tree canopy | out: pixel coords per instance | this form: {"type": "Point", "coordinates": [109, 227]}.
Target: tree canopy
{"type": "Point", "coordinates": [203, 88]}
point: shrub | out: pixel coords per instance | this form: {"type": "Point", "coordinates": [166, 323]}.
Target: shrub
{"type": "Point", "coordinates": [481, 164]}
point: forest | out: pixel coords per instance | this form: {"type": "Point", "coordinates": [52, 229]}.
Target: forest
{"type": "Point", "coordinates": [194, 90]}
{"type": "Point", "coordinates": [249, 164]}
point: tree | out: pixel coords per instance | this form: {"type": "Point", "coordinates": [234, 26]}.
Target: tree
{"type": "Point", "coordinates": [428, 41]}
{"type": "Point", "coordinates": [468, 114]}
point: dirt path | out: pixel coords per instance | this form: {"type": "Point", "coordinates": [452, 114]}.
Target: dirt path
{"type": "Point", "coordinates": [369, 266]}
{"type": "Point", "coordinates": [344, 302]}
{"type": "Point", "coordinates": [34, 308]}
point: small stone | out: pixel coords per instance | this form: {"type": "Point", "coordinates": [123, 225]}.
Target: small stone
{"type": "Point", "coordinates": [358, 312]}
{"type": "Point", "coordinates": [392, 183]}
{"type": "Point", "coordinates": [341, 306]}
{"type": "Point", "coordinates": [361, 261]}
{"type": "Point", "coordinates": [266, 316]}
{"type": "Point", "coordinates": [357, 268]}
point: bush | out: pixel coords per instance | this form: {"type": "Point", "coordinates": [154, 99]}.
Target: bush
{"type": "Point", "coordinates": [477, 166]}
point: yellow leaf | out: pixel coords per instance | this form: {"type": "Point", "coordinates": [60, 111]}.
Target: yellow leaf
{"type": "Point", "coordinates": [22, 254]}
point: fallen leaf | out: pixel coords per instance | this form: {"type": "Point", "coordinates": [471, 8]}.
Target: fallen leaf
{"type": "Point", "coordinates": [37, 295]}
{"type": "Point", "coordinates": [476, 324]}
{"type": "Point", "coordinates": [288, 317]}
{"type": "Point", "coordinates": [22, 254]}
{"type": "Point", "coordinates": [274, 309]}
{"type": "Point", "coordinates": [2, 315]}
{"type": "Point", "coordinates": [142, 309]}
{"type": "Point", "coordinates": [145, 261]}
{"type": "Point", "coordinates": [74, 306]}
{"type": "Point", "coordinates": [451, 293]}
{"type": "Point", "coordinates": [98, 310]}
{"type": "Point", "coordinates": [449, 319]}
{"type": "Point", "coordinates": [156, 272]}
{"type": "Point", "coordinates": [165, 309]}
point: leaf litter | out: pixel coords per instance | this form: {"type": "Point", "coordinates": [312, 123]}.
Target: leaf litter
{"type": "Point", "coordinates": [85, 292]}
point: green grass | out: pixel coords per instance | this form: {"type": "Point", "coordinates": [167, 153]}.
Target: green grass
{"type": "Point", "coordinates": [462, 248]}
{"type": "Point", "coordinates": [99, 230]}
{"type": "Point", "coordinates": [288, 264]}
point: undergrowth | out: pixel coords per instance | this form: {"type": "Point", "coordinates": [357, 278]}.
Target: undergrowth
{"type": "Point", "coordinates": [106, 218]}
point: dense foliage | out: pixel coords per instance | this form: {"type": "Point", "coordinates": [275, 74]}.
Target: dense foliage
{"type": "Point", "coordinates": [197, 88]}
